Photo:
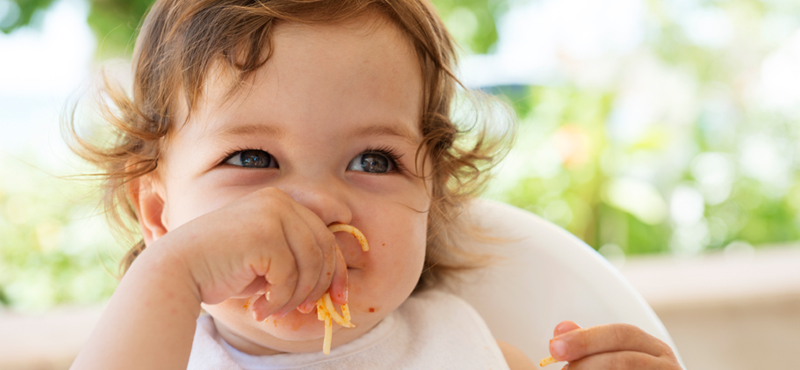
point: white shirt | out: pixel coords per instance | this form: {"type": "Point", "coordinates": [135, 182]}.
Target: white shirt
{"type": "Point", "coordinates": [430, 330]}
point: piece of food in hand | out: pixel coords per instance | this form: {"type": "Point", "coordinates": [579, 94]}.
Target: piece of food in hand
{"type": "Point", "coordinates": [547, 361]}
{"type": "Point", "coordinates": [325, 310]}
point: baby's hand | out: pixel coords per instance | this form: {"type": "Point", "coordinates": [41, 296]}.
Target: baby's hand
{"type": "Point", "coordinates": [264, 243]}
{"type": "Point", "coordinates": [614, 346]}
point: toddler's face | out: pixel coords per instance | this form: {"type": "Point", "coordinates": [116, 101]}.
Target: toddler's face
{"type": "Point", "coordinates": [332, 120]}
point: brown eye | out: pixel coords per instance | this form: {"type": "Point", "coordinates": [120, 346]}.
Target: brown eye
{"type": "Point", "coordinates": [252, 159]}
{"type": "Point", "coordinates": [371, 162]}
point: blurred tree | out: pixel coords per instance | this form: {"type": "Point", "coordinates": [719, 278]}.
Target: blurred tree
{"type": "Point", "coordinates": [113, 22]}
{"type": "Point", "coordinates": [50, 250]}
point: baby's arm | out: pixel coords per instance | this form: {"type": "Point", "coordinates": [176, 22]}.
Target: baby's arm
{"type": "Point", "coordinates": [516, 359]}
{"type": "Point", "coordinates": [150, 320]}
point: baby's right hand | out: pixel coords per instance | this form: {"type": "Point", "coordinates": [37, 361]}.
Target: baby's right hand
{"type": "Point", "coordinates": [266, 243]}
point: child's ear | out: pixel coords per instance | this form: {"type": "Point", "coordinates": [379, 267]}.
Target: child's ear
{"type": "Point", "coordinates": [148, 199]}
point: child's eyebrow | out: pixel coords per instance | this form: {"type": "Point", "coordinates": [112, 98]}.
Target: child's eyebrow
{"type": "Point", "coordinates": [397, 130]}
{"type": "Point", "coordinates": [246, 130]}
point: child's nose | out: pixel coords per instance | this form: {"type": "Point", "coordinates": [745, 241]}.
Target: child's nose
{"type": "Point", "coordinates": [322, 200]}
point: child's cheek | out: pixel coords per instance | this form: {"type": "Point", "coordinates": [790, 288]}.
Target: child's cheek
{"type": "Point", "coordinates": [233, 177]}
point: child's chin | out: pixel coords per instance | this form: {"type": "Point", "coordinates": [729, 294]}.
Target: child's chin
{"type": "Point", "coordinates": [295, 326]}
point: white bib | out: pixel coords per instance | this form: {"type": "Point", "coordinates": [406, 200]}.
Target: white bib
{"type": "Point", "coordinates": [430, 330]}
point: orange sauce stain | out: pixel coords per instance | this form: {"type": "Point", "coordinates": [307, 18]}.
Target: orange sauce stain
{"type": "Point", "coordinates": [294, 320]}
{"type": "Point", "coordinates": [247, 304]}
{"type": "Point", "coordinates": [371, 309]}
{"type": "Point", "coordinates": [383, 245]}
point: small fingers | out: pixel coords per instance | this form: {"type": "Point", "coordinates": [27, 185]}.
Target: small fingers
{"type": "Point", "coordinates": [580, 343]}
{"type": "Point", "coordinates": [622, 360]}
{"type": "Point", "coordinates": [260, 308]}
{"type": "Point", "coordinates": [326, 243]}
{"type": "Point", "coordinates": [258, 285]}
{"type": "Point", "coordinates": [340, 281]}
{"type": "Point", "coordinates": [324, 281]}
{"type": "Point", "coordinates": [337, 283]}
{"type": "Point", "coordinates": [281, 280]}
{"type": "Point", "coordinates": [309, 259]}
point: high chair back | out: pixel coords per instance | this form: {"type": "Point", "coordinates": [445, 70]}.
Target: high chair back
{"type": "Point", "coordinates": [542, 276]}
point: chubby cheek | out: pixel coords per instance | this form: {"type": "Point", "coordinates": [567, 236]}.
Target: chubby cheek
{"type": "Point", "coordinates": [394, 266]}
{"type": "Point", "coordinates": [185, 203]}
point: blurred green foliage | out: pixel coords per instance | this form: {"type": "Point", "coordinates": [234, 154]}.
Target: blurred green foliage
{"type": "Point", "coordinates": [50, 248]}
{"type": "Point", "coordinates": [736, 156]}
{"type": "Point", "coordinates": [575, 194]}
{"type": "Point", "coordinates": [22, 13]}
{"type": "Point", "coordinates": [113, 22]}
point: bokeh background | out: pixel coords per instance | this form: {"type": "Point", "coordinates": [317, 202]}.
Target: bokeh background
{"type": "Point", "coordinates": [664, 133]}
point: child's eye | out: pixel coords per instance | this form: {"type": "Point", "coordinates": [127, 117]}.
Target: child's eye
{"type": "Point", "coordinates": [252, 159]}
{"type": "Point", "coordinates": [372, 162]}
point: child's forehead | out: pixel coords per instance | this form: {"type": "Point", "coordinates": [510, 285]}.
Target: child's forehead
{"type": "Point", "coordinates": [368, 26]}
{"type": "Point", "coordinates": [367, 65]}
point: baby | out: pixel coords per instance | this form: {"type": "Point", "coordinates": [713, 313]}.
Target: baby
{"type": "Point", "coordinates": [255, 125]}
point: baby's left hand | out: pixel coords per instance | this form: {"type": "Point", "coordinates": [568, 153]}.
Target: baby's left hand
{"type": "Point", "coordinates": [613, 346]}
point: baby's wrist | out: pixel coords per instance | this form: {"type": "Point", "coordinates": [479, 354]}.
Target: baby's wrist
{"type": "Point", "coordinates": [162, 267]}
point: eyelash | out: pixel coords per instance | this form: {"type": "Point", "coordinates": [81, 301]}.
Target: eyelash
{"type": "Point", "coordinates": [230, 153]}
{"type": "Point", "coordinates": [389, 152]}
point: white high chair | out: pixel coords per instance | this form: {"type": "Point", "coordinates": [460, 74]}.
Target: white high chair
{"type": "Point", "coordinates": [546, 275]}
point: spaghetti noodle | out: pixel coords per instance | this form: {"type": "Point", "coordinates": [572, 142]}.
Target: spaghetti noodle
{"type": "Point", "coordinates": [547, 361]}
{"type": "Point", "coordinates": [325, 310]}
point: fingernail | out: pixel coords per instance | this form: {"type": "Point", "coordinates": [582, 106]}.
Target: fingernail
{"type": "Point", "coordinates": [306, 307]}
{"type": "Point", "coordinates": [562, 325]}
{"type": "Point", "coordinates": [558, 348]}
{"type": "Point", "coordinates": [258, 316]}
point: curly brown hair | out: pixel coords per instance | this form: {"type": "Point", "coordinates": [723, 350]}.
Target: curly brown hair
{"type": "Point", "coordinates": [181, 40]}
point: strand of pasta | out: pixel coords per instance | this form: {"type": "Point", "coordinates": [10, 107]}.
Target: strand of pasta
{"type": "Point", "coordinates": [547, 361]}
{"type": "Point", "coordinates": [325, 310]}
